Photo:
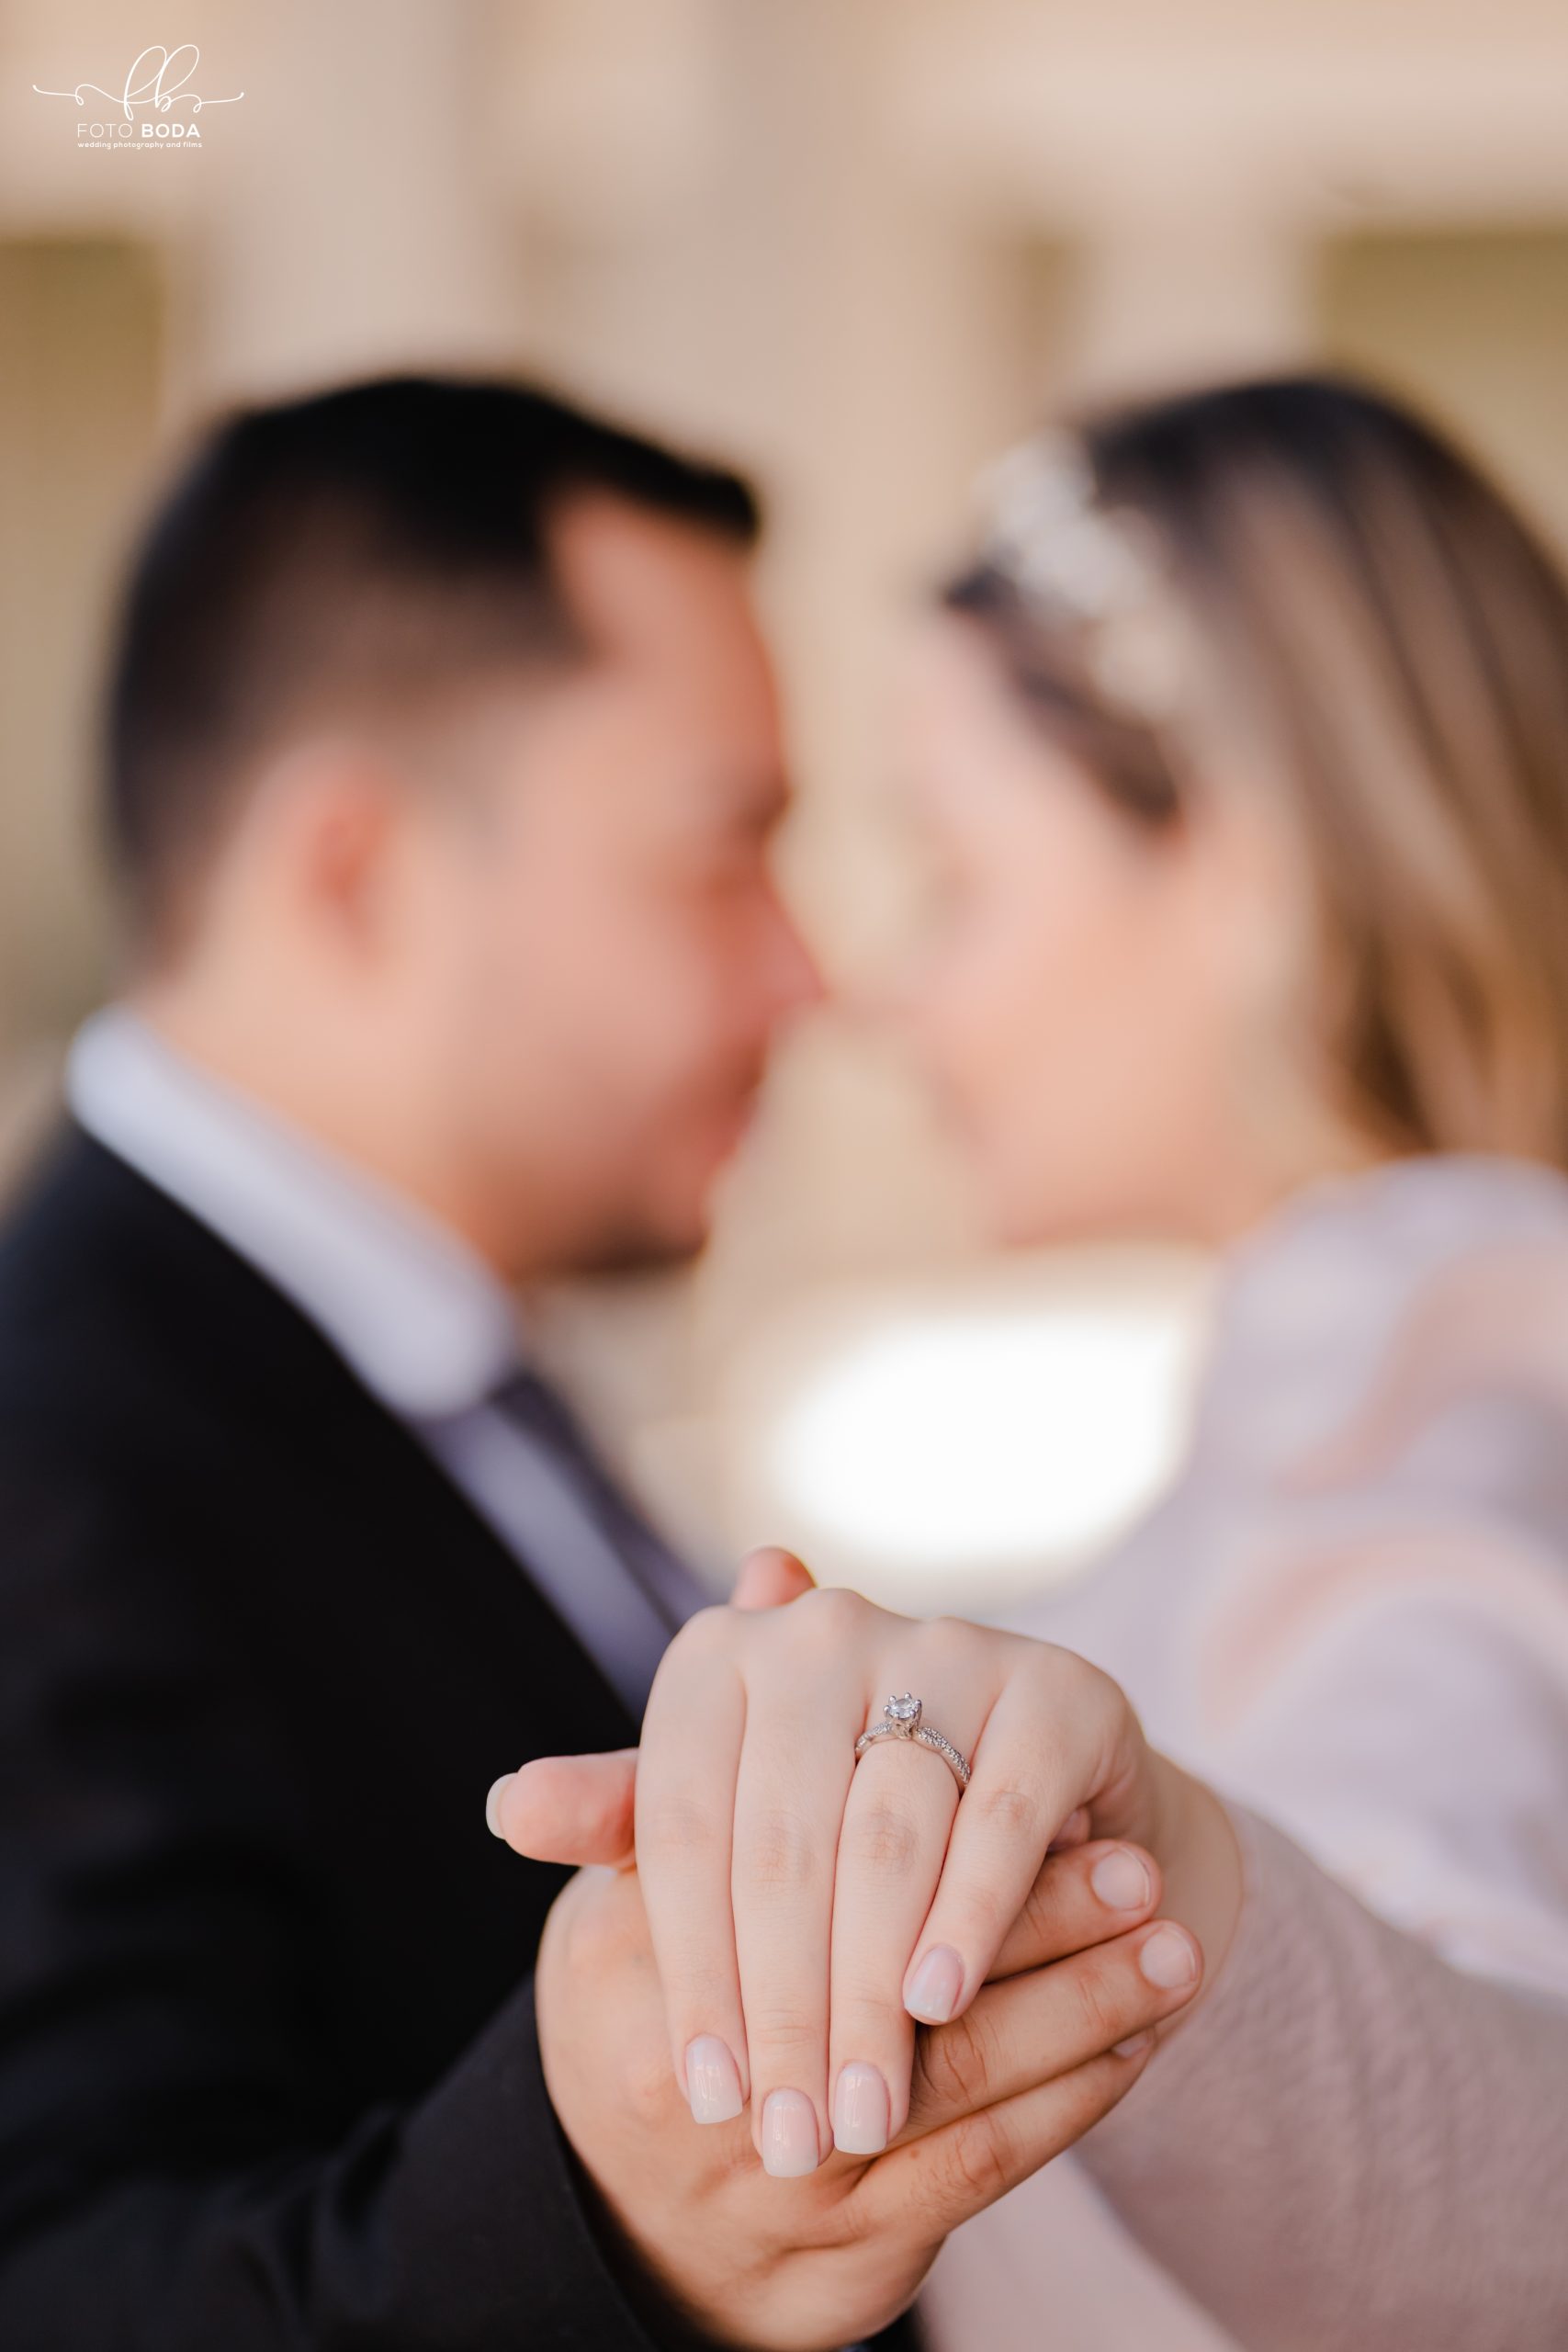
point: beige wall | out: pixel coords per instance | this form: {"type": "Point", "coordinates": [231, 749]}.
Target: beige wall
{"type": "Point", "coordinates": [1474, 321]}
{"type": "Point", "coordinates": [79, 373]}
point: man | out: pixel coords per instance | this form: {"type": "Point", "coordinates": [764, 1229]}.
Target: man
{"type": "Point", "coordinates": [443, 763]}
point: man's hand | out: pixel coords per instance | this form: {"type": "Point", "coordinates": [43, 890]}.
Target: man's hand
{"type": "Point", "coordinates": [810, 2264]}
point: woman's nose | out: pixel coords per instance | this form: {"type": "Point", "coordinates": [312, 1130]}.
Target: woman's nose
{"type": "Point", "coordinates": [798, 980]}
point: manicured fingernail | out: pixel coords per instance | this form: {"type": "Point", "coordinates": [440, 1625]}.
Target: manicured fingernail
{"type": "Point", "coordinates": [713, 2080]}
{"type": "Point", "coordinates": [1120, 1880]}
{"type": "Point", "coordinates": [789, 2135]}
{"type": "Point", "coordinates": [1168, 1959]}
{"type": "Point", "coordinates": [860, 2112]}
{"type": "Point", "coordinates": [493, 1805]}
{"type": "Point", "coordinates": [1133, 2044]}
{"type": "Point", "coordinates": [935, 1985]}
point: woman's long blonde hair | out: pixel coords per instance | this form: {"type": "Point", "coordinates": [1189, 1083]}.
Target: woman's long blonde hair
{"type": "Point", "coordinates": [1344, 596]}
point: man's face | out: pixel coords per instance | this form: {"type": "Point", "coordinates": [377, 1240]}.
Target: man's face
{"type": "Point", "coordinates": [602, 943]}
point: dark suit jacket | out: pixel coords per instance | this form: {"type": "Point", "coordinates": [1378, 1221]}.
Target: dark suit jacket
{"type": "Point", "coordinates": [268, 2072]}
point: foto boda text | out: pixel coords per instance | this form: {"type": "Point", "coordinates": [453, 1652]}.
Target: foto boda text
{"type": "Point", "coordinates": [189, 131]}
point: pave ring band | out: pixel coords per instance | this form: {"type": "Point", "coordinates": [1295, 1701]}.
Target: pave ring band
{"type": "Point", "coordinates": [901, 1720]}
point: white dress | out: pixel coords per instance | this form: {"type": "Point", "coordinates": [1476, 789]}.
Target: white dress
{"type": "Point", "coordinates": [1350, 1615]}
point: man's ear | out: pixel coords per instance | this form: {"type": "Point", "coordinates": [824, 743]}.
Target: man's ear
{"type": "Point", "coordinates": [330, 812]}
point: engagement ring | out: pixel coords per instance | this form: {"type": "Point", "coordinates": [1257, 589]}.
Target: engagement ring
{"type": "Point", "coordinates": [901, 1720]}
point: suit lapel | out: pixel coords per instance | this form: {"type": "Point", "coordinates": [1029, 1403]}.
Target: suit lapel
{"type": "Point", "coordinates": [390, 1530]}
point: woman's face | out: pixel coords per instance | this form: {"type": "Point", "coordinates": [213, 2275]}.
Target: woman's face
{"type": "Point", "coordinates": [1103, 1008]}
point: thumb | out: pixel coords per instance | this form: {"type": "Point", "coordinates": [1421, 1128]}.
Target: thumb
{"type": "Point", "coordinates": [579, 1809]}
{"type": "Point", "coordinates": [770, 1578]}
{"type": "Point", "coordinates": [572, 1809]}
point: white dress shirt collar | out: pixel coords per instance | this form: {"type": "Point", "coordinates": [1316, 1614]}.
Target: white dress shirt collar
{"type": "Point", "coordinates": [424, 1324]}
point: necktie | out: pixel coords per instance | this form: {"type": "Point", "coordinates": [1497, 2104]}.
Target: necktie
{"type": "Point", "coordinates": [664, 1580]}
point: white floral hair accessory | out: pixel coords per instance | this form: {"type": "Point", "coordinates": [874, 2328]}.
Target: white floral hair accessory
{"type": "Point", "coordinates": [1095, 570]}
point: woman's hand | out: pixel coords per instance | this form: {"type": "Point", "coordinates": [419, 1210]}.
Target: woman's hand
{"type": "Point", "coordinates": [805, 1911]}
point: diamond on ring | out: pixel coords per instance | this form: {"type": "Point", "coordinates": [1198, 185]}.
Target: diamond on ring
{"type": "Point", "coordinates": [902, 1718]}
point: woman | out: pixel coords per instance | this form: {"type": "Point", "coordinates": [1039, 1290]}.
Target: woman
{"type": "Point", "coordinates": [1243, 750]}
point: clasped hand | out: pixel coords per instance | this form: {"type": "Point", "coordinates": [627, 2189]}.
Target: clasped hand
{"type": "Point", "coordinates": [794, 1917]}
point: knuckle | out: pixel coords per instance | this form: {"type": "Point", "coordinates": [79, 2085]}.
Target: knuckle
{"type": "Point", "coordinates": [677, 1822]}
{"type": "Point", "coordinates": [880, 1837]}
{"type": "Point", "coordinates": [931, 2076]}
{"type": "Point", "coordinates": [704, 1637]}
{"type": "Point", "coordinates": [983, 2046]}
{"type": "Point", "coordinates": [1039, 1923]}
{"type": "Point", "coordinates": [953, 1640]}
{"type": "Point", "coordinates": [1068, 1686]}
{"type": "Point", "coordinates": [779, 2030]}
{"type": "Point", "coordinates": [975, 2160]}
{"type": "Point", "coordinates": [865, 2012]}
{"type": "Point", "coordinates": [952, 2059]}
{"type": "Point", "coordinates": [1012, 1813]}
{"type": "Point", "coordinates": [828, 1618]}
{"type": "Point", "coordinates": [779, 1857]}
{"type": "Point", "coordinates": [1103, 2009]}
{"type": "Point", "coordinates": [1063, 1666]}
{"type": "Point", "coordinates": [709, 1628]}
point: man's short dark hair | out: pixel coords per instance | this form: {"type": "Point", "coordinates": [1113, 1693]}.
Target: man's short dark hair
{"type": "Point", "coordinates": [367, 548]}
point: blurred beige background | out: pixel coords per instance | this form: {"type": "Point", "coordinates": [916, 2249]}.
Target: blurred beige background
{"type": "Point", "coordinates": [857, 244]}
